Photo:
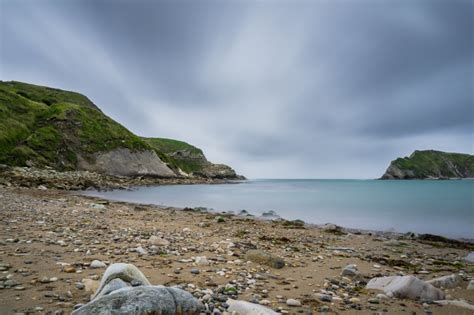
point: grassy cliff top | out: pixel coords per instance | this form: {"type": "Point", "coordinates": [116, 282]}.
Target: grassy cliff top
{"type": "Point", "coordinates": [428, 163]}
{"type": "Point", "coordinates": [52, 127]}
{"type": "Point", "coordinates": [170, 145]}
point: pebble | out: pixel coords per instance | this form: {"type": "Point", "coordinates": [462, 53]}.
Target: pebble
{"type": "Point", "coordinates": [195, 271]}
{"type": "Point", "coordinates": [293, 302]}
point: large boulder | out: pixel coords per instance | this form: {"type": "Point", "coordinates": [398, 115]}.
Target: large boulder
{"type": "Point", "coordinates": [246, 308]}
{"type": "Point", "coordinates": [125, 290]}
{"type": "Point", "coordinates": [406, 287]}
{"type": "Point", "coordinates": [149, 300]}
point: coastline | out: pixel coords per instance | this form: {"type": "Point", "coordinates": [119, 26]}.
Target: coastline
{"type": "Point", "coordinates": [44, 232]}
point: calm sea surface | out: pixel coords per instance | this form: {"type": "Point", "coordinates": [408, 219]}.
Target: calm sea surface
{"type": "Point", "coordinates": [423, 206]}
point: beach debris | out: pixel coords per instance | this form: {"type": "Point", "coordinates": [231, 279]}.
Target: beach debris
{"type": "Point", "coordinates": [264, 258]}
{"type": "Point", "coordinates": [409, 287]}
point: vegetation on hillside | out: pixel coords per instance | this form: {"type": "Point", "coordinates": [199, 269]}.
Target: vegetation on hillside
{"type": "Point", "coordinates": [51, 127]}
{"type": "Point", "coordinates": [432, 163]}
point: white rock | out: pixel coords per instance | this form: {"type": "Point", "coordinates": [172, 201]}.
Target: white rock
{"type": "Point", "coordinates": [293, 302]}
{"type": "Point", "coordinates": [470, 286]}
{"type": "Point", "coordinates": [238, 307]}
{"type": "Point", "coordinates": [457, 303]}
{"type": "Point", "coordinates": [126, 272]}
{"type": "Point", "coordinates": [408, 287]}
{"type": "Point", "coordinates": [470, 257]}
{"type": "Point", "coordinates": [141, 250]}
{"type": "Point", "coordinates": [158, 241]}
{"type": "Point", "coordinates": [201, 261]}
{"type": "Point", "coordinates": [446, 282]}
{"type": "Point", "coordinates": [97, 264]}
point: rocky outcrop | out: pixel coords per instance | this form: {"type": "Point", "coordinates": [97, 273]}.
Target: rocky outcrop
{"type": "Point", "coordinates": [125, 290]}
{"type": "Point", "coordinates": [431, 164]}
{"type": "Point", "coordinates": [124, 162]}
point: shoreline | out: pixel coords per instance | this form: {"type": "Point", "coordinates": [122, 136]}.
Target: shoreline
{"type": "Point", "coordinates": [275, 216]}
{"type": "Point", "coordinates": [51, 234]}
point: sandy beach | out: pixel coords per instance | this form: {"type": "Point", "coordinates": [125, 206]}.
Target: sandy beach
{"type": "Point", "coordinates": [48, 238]}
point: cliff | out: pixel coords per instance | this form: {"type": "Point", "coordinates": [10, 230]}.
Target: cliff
{"type": "Point", "coordinates": [46, 127]}
{"type": "Point", "coordinates": [431, 164]}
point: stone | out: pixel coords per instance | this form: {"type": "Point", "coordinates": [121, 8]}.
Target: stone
{"type": "Point", "coordinates": [90, 285]}
{"type": "Point", "coordinates": [446, 282]}
{"type": "Point", "coordinates": [264, 258]}
{"type": "Point", "coordinates": [97, 264]}
{"type": "Point", "coordinates": [113, 285]}
{"type": "Point", "coordinates": [470, 286]}
{"type": "Point", "coordinates": [126, 272]}
{"type": "Point", "coordinates": [158, 241]}
{"type": "Point", "coordinates": [246, 308]}
{"type": "Point", "coordinates": [458, 303]}
{"type": "Point", "coordinates": [293, 302]}
{"type": "Point", "coordinates": [350, 271]}
{"type": "Point", "coordinates": [143, 300]}
{"type": "Point", "coordinates": [201, 261]}
{"type": "Point", "coordinates": [470, 257]}
{"type": "Point", "coordinates": [409, 287]}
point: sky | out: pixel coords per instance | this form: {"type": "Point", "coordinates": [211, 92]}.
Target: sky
{"type": "Point", "coordinates": [275, 89]}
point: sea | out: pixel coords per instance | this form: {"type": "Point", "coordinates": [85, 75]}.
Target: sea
{"type": "Point", "coordinates": [442, 207]}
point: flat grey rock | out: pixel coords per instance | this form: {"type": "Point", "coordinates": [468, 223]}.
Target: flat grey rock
{"type": "Point", "coordinates": [143, 300]}
{"type": "Point", "coordinates": [446, 282]}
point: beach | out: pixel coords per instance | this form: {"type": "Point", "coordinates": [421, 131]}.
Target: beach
{"type": "Point", "coordinates": [49, 237]}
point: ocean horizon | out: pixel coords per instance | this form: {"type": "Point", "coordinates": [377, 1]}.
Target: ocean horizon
{"type": "Point", "coordinates": [442, 207]}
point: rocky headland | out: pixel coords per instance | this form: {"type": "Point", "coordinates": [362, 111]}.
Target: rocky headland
{"type": "Point", "coordinates": [63, 253]}
{"type": "Point", "coordinates": [431, 164]}
{"type": "Point", "coordinates": [47, 128]}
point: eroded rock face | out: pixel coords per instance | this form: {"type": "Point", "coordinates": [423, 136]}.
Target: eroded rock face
{"type": "Point", "coordinates": [406, 287]}
{"type": "Point", "coordinates": [124, 162]}
{"type": "Point", "coordinates": [125, 290]}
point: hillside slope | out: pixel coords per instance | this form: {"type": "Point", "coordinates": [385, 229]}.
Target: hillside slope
{"type": "Point", "coordinates": [46, 127]}
{"type": "Point", "coordinates": [431, 164]}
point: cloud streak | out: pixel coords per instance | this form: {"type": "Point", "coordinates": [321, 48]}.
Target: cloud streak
{"type": "Point", "coordinates": [275, 89]}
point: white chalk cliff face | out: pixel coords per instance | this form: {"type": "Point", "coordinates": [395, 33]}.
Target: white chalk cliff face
{"type": "Point", "coordinates": [124, 162]}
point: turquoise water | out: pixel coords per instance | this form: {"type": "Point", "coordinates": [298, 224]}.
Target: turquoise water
{"type": "Point", "coordinates": [422, 206]}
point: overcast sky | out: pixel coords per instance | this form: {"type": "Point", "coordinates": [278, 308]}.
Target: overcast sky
{"type": "Point", "coordinates": [276, 89]}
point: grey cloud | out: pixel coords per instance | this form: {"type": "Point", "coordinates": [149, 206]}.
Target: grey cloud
{"type": "Point", "coordinates": [276, 89]}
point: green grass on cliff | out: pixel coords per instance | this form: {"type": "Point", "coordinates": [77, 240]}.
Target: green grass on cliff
{"type": "Point", "coordinates": [433, 163]}
{"type": "Point", "coordinates": [169, 146]}
{"type": "Point", "coordinates": [52, 127]}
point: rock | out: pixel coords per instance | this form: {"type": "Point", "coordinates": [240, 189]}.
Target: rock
{"type": "Point", "coordinates": [126, 272]}
{"type": "Point", "coordinates": [97, 264]}
{"type": "Point", "coordinates": [69, 269]}
{"type": "Point", "coordinates": [446, 282]}
{"type": "Point", "coordinates": [113, 285]}
{"type": "Point", "coordinates": [462, 304]}
{"type": "Point", "coordinates": [264, 258]}
{"type": "Point", "coordinates": [201, 261]}
{"type": "Point", "coordinates": [141, 250]}
{"type": "Point", "coordinates": [470, 286]}
{"type": "Point", "coordinates": [331, 228]}
{"type": "Point", "coordinates": [350, 271]}
{"type": "Point", "coordinates": [151, 300]}
{"type": "Point", "coordinates": [90, 285]}
{"type": "Point", "coordinates": [408, 287]}
{"type": "Point", "coordinates": [195, 271]}
{"type": "Point", "coordinates": [246, 308]}
{"type": "Point", "coordinates": [158, 241]}
{"type": "Point", "coordinates": [293, 302]}
{"type": "Point", "coordinates": [325, 297]}
{"type": "Point", "coordinates": [470, 257]}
